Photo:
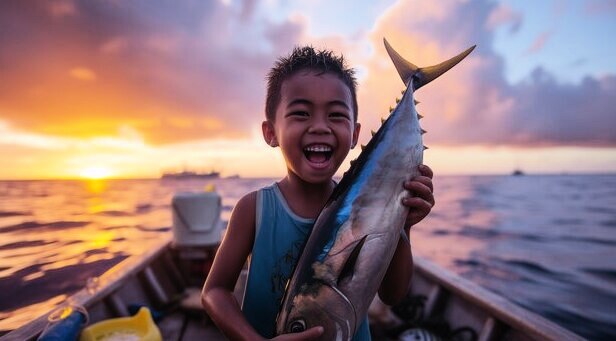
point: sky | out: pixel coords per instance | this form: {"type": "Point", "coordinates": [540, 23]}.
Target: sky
{"type": "Point", "coordinates": [129, 89]}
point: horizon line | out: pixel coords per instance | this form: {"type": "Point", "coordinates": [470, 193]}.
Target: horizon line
{"type": "Point", "coordinates": [233, 177]}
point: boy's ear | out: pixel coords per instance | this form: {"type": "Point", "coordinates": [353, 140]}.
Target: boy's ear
{"type": "Point", "coordinates": [269, 134]}
{"type": "Point", "coordinates": [355, 134]}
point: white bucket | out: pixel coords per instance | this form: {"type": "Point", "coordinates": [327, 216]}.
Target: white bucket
{"type": "Point", "coordinates": [196, 219]}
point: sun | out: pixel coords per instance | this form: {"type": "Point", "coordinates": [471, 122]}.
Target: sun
{"type": "Point", "coordinates": [95, 172]}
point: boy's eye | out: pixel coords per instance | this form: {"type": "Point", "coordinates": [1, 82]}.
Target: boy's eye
{"type": "Point", "coordinates": [298, 113]}
{"type": "Point", "coordinates": [338, 115]}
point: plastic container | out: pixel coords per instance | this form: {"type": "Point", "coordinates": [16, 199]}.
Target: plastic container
{"type": "Point", "coordinates": [138, 327]}
{"type": "Point", "coordinates": [196, 219]}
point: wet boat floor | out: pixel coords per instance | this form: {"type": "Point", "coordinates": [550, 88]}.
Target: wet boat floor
{"type": "Point", "coordinates": [188, 326]}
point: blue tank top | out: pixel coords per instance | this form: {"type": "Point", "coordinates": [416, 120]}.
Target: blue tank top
{"type": "Point", "coordinates": [279, 237]}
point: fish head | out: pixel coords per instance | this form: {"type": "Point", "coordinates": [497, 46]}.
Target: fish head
{"type": "Point", "coordinates": [320, 304]}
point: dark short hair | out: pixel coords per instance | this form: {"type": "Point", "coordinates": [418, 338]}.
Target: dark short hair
{"type": "Point", "coordinates": [308, 59]}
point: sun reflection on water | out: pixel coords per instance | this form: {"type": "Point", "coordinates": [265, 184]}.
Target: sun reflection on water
{"type": "Point", "coordinates": [101, 239]}
{"type": "Point", "coordinates": [96, 186]}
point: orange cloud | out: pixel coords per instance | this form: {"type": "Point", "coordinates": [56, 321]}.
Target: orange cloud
{"type": "Point", "coordinates": [189, 75]}
{"type": "Point", "coordinates": [82, 73]}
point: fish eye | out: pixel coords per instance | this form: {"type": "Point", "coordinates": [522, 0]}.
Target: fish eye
{"type": "Point", "coordinates": [297, 326]}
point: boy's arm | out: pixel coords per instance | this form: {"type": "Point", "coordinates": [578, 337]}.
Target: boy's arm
{"type": "Point", "coordinates": [217, 295]}
{"type": "Point", "coordinates": [397, 279]}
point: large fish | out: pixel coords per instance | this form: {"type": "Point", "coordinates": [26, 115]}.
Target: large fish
{"type": "Point", "coordinates": [355, 235]}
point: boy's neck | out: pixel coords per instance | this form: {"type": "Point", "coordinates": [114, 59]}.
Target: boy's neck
{"type": "Point", "coordinates": [305, 199]}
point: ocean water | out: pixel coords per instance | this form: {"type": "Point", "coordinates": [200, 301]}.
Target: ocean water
{"type": "Point", "coordinates": [547, 243]}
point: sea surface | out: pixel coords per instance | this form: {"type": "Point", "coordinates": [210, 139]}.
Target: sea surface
{"type": "Point", "coordinates": [545, 242]}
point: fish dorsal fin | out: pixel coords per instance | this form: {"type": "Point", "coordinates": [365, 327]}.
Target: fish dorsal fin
{"type": "Point", "coordinates": [424, 75]}
{"type": "Point", "coordinates": [349, 266]}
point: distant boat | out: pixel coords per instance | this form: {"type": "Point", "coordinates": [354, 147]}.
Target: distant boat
{"type": "Point", "coordinates": [517, 172]}
{"type": "Point", "coordinates": [187, 175]}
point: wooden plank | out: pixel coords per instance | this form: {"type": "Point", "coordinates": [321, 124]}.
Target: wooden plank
{"type": "Point", "coordinates": [152, 282]}
{"type": "Point", "coordinates": [117, 305]}
{"type": "Point", "coordinates": [174, 273]}
{"type": "Point", "coordinates": [488, 331]}
{"type": "Point", "coordinates": [433, 299]}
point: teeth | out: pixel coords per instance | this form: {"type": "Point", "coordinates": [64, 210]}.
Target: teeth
{"type": "Point", "coordinates": [318, 148]}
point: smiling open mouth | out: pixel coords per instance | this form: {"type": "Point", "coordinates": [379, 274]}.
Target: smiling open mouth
{"type": "Point", "coordinates": [318, 153]}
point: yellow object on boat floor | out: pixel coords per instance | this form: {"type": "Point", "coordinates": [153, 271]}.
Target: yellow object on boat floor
{"type": "Point", "coordinates": [139, 327]}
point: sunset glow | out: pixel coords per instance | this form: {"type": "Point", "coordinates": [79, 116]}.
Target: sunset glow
{"type": "Point", "coordinates": [95, 172]}
{"type": "Point", "coordinates": [170, 87]}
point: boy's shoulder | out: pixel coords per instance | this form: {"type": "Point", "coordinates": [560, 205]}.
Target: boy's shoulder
{"type": "Point", "coordinates": [247, 203]}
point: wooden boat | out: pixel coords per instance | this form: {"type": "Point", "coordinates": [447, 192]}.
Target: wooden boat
{"type": "Point", "coordinates": [168, 280]}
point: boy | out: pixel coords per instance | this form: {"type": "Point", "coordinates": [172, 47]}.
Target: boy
{"type": "Point", "coordinates": [311, 111]}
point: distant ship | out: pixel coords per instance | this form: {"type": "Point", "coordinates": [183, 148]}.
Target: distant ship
{"type": "Point", "coordinates": [517, 172]}
{"type": "Point", "coordinates": [187, 175]}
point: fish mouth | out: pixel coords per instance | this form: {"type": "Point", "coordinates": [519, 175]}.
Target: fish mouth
{"type": "Point", "coordinates": [318, 154]}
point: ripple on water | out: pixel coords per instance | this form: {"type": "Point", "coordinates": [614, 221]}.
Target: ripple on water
{"type": "Point", "coordinates": [532, 267]}
{"type": "Point", "coordinates": [591, 240]}
{"type": "Point", "coordinates": [564, 221]}
{"type": "Point", "coordinates": [600, 209]}
{"type": "Point", "coordinates": [142, 208]}
{"type": "Point", "coordinates": [609, 275]}
{"type": "Point", "coordinates": [591, 325]}
{"type": "Point", "coordinates": [65, 280]}
{"type": "Point", "coordinates": [114, 213]}
{"type": "Point", "coordinates": [479, 232]}
{"type": "Point", "coordinates": [4, 214]}
{"type": "Point", "coordinates": [152, 229]}
{"type": "Point", "coordinates": [35, 225]}
{"type": "Point", "coordinates": [24, 244]}
{"type": "Point", "coordinates": [608, 223]}
{"type": "Point", "coordinates": [467, 263]}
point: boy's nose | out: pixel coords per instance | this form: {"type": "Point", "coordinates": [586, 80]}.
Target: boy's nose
{"type": "Point", "coordinates": [319, 126]}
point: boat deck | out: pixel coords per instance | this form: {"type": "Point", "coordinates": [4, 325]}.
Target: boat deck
{"type": "Point", "coordinates": [180, 326]}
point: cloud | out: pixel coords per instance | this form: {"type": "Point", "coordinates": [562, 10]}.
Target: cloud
{"type": "Point", "coordinates": [202, 63]}
{"type": "Point", "coordinates": [187, 71]}
{"type": "Point", "coordinates": [82, 73]}
{"type": "Point", "coordinates": [539, 43]}
{"type": "Point", "coordinates": [503, 14]}
{"type": "Point", "coordinates": [598, 7]}
{"type": "Point", "coordinates": [473, 104]}
{"type": "Point", "coordinates": [61, 8]}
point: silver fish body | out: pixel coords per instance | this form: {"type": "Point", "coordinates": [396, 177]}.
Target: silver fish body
{"type": "Point", "coordinates": [355, 235]}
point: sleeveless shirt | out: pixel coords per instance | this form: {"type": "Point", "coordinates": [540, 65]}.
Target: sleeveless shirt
{"type": "Point", "coordinates": [280, 235]}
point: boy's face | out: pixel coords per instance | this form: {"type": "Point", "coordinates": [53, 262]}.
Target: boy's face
{"type": "Point", "coordinates": [314, 125]}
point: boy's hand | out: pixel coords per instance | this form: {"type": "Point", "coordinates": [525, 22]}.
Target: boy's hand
{"type": "Point", "coordinates": [421, 200]}
{"type": "Point", "coordinates": [311, 334]}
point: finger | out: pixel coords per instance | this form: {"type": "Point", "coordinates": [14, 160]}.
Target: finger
{"type": "Point", "coordinates": [426, 171]}
{"type": "Point", "coordinates": [420, 190]}
{"type": "Point", "coordinates": [424, 180]}
{"type": "Point", "coordinates": [417, 204]}
{"type": "Point", "coordinates": [312, 333]}
{"type": "Point", "coordinates": [309, 334]}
